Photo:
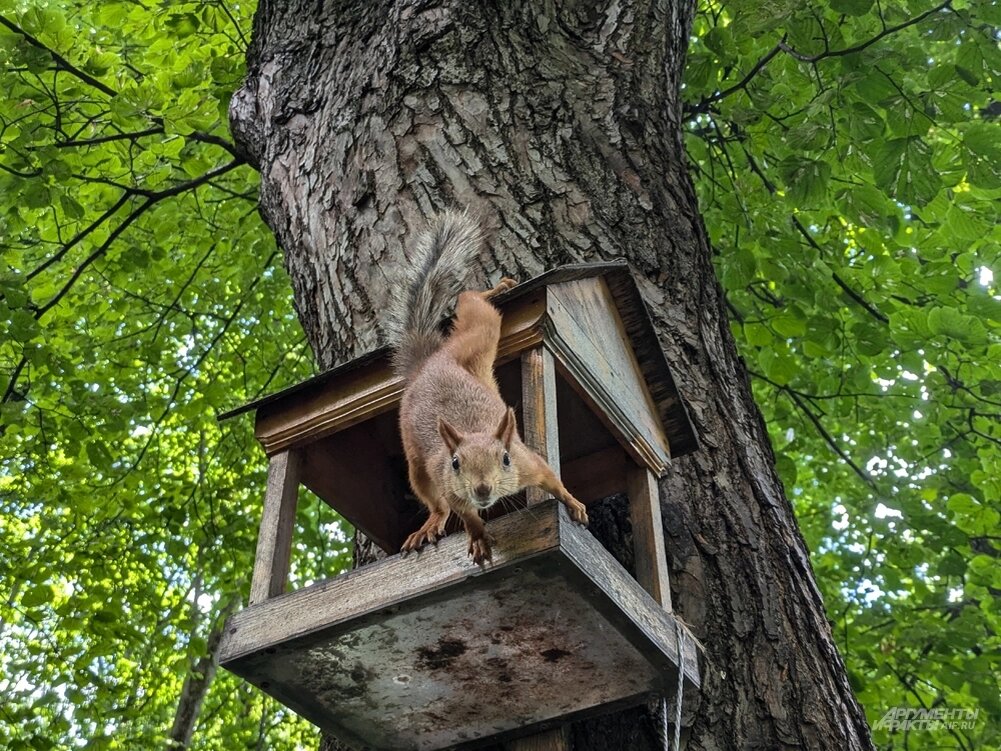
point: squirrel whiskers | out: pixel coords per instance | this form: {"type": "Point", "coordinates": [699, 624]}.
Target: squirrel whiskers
{"type": "Point", "coordinates": [460, 438]}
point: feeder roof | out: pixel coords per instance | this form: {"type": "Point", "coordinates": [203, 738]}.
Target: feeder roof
{"type": "Point", "coordinates": [636, 321]}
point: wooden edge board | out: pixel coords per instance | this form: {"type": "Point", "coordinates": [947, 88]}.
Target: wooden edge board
{"type": "Point", "coordinates": [636, 318]}
{"type": "Point", "coordinates": [361, 407]}
{"type": "Point", "coordinates": [541, 727]}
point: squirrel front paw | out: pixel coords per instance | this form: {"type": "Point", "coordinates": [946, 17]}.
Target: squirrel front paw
{"type": "Point", "coordinates": [578, 512]}
{"type": "Point", "coordinates": [479, 549]}
{"type": "Point", "coordinates": [430, 532]}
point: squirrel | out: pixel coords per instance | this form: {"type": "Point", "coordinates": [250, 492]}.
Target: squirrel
{"type": "Point", "coordinates": [460, 439]}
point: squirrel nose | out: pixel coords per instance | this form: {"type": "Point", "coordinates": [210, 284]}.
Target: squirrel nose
{"type": "Point", "coordinates": [483, 491]}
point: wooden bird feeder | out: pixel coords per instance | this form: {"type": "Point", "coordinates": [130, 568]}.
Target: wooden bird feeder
{"type": "Point", "coordinates": [431, 651]}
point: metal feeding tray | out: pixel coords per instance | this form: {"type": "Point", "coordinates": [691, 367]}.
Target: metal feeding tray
{"type": "Point", "coordinates": [431, 651]}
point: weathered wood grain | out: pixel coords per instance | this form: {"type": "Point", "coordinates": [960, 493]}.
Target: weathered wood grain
{"type": "Point", "coordinates": [644, 618]}
{"type": "Point", "coordinates": [598, 475]}
{"type": "Point", "coordinates": [383, 584]}
{"type": "Point", "coordinates": [274, 540]}
{"type": "Point", "coordinates": [593, 350]}
{"type": "Point", "coordinates": [434, 652]}
{"type": "Point", "coordinates": [648, 534]}
{"type": "Point", "coordinates": [557, 738]}
{"type": "Point", "coordinates": [373, 499]}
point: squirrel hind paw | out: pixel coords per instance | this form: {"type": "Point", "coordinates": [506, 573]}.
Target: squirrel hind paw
{"type": "Point", "coordinates": [502, 286]}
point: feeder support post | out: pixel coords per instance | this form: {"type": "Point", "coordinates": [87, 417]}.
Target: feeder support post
{"type": "Point", "coordinates": [274, 541]}
{"type": "Point", "coordinates": [541, 434]}
{"type": "Point", "coordinates": [649, 554]}
{"type": "Point", "coordinates": [538, 400]}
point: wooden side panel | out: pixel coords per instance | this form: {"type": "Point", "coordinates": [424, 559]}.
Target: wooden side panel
{"type": "Point", "coordinates": [643, 613]}
{"type": "Point", "coordinates": [646, 346]}
{"type": "Point", "coordinates": [379, 586]}
{"type": "Point", "coordinates": [648, 535]}
{"type": "Point", "coordinates": [274, 541]}
{"type": "Point", "coordinates": [550, 740]}
{"type": "Point", "coordinates": [588, 338]}
{"type": "Point", "coordinates": [361, 473]}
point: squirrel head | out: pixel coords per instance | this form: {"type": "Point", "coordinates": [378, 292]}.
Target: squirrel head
{"type": "Point", "coordinates": [480, 467]}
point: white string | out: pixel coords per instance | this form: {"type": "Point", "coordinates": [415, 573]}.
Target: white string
{"type": "Point", "coordinates": [663, 724]}
{"type": "Point", "coordinates": [665, 737]}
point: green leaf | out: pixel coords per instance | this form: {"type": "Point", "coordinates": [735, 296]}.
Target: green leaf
{"type": "Point", "coordinates": [903, 167]}
{"type": "Point", "coordinates": [851, 7]}
{"type": "Point", "coordinates": [40, 594]}
{"type": "Point", "coordinates": [806, 179]}
{"type": "Point", "coordinates": [955, 325]}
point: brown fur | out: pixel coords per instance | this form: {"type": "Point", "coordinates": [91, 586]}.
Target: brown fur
{"type": "Point", "coordinates": [452, 410]}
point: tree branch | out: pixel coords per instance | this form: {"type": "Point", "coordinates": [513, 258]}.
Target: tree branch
{"type": "Point", "coordinates": [80, 236]}
{"type": "Point", "coordinates": [103, 139]}
{"type": "Point", "coordinates": [829, 439]}
{"type": "Point", "coordinates": [63, 64]}
{"type": "Point", "coordinates": [887, 30]}
{"type": "Point", "coordinates": [704, 105]}
{"type": "Point", "coordinates": [871, 309]}
{"type": "Point", "coordinates": [152, 200]}
{"type": "Point", "coordinates": [60, 61]}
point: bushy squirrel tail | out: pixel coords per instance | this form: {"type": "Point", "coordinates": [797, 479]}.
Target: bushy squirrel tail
{"type": "Point", "coordinates": [433, 277]}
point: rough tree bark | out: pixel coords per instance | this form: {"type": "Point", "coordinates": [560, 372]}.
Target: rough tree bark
{"type": "Point", "coordinates": [560, 124]}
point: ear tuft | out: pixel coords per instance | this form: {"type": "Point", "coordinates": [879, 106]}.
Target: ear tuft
{"type": "Point", "coordinates": [506, 429]}
{"type": "Point", "coordinates": [449, 435]}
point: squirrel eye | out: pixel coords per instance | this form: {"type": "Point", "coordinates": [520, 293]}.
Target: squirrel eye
{"type": "Point", "coordinates": [507, 459]}
{"type": "Point", "coordinates": [455, 463]}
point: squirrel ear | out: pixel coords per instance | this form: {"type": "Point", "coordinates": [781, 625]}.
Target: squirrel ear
{"type": "Point", "coordinates": [506, 429]}
{"type": "Point", "coordinates": [449, 435]}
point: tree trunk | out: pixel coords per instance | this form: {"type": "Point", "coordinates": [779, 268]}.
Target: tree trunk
{"type": "Point", "coordinates": [560, 125]}
{"type": "Point", "coordinates": [195, 687]}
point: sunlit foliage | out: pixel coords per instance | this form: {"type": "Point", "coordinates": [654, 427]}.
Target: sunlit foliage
{"type": "Point", "coordinates": [848, 159]}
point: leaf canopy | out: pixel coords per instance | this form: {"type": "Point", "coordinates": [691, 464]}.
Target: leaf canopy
{"type": "Point", "coordinates": [847, 155]}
